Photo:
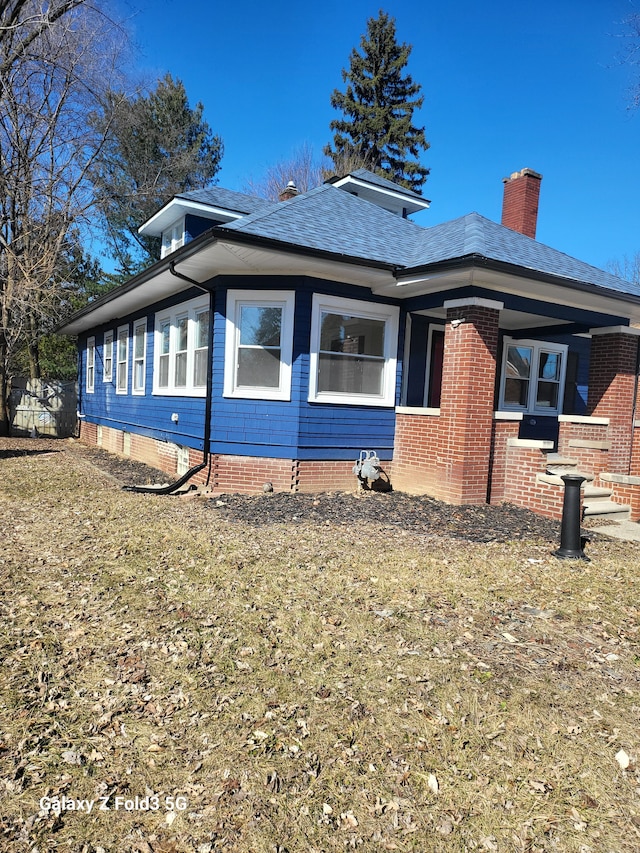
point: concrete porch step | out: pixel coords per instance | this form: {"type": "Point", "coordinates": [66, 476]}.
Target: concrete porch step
{"type": "Point", "coordinates": [593, 494]}
{"type": "Point", "coordinates": [605, 509]}
{"type": "Point", "coordinates": [556, 479]}
{"type": "Point", "coordinates": [557, 465]}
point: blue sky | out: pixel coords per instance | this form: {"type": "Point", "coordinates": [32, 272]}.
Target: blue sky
{"type": "Point", "coordinates": [507, 85]}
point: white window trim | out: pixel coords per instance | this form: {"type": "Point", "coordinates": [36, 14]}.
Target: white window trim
{"type": "Point", "coordinates": [258, 298]}
{"type": "Point", "coordinates": [390, 314]}
{"type": "Point", "coordinates": [142, 323]}
{"type": "Point", "coordinates": [108, 342]}
{"type": "Point", "coordinates": [537, 347]}
{"type": "Point", "coordinates": [124, 390]}
{"type": "Point", "coordinates": [173, 238]}
{"type": "Point", "coordinates": [190, 310]}
{"type": "Point", "coordinates": [91, 365]}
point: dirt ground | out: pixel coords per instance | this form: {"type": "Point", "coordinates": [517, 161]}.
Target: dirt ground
{"type": "Point", "coordinates": [305, 673]}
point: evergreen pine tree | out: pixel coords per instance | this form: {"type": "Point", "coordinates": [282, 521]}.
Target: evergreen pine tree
{"type": "Point", "coordinates": [157, 146]}
{"type": "Point", "coordinates": [378, 105]}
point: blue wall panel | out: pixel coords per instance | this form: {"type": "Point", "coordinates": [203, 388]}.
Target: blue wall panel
{"type": "Point", "coordinates": [276, 429]}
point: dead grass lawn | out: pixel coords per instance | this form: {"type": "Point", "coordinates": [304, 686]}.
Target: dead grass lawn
{"type": "Point", "coordinates": [304, 687]}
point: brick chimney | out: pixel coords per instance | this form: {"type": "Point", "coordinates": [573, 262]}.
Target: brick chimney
{"type": "Point", "coordinates": [290, 191]}
{"type": "Point", "coordinates": [520, 201]}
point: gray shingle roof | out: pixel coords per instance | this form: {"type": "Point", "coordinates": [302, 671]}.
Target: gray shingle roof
{"type": "Point", "coordinates": [330, 220]}
{"type": "Point", "coordinates": [475, 235]}
{"type": "Point", "coordinates": [228, 199]}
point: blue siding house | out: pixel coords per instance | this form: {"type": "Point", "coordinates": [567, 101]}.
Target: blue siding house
{"type": "Point", "coordinates": [273, 342]}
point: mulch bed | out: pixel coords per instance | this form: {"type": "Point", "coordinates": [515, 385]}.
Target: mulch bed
{"type": "Point", "coordinates": [394, 511]}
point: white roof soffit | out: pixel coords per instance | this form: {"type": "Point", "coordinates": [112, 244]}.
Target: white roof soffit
{"type": "Point", "coordinates": [177, 207]}
{"type": "Point", "coordinates": [589, 298]}
{"type": "Point", "coordinates": [372, 192]}
{"type": "Point", "coordinates": [216, 259]}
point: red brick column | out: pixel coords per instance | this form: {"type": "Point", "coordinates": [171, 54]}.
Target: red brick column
{"type": "Point", "coordinates": [467, 400]}
{"type": "Point", "coordinates": [612, 381]}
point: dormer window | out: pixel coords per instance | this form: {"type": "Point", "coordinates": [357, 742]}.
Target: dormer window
{"type": "Point", "coordinates": [172, 238]}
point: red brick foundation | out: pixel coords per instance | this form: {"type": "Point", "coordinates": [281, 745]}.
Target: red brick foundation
{"type": "Point", "coordinates": [237, 474]}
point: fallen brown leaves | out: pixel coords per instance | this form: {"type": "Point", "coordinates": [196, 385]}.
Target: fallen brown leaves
{"type": "Point", "coordinates": [304, 686]}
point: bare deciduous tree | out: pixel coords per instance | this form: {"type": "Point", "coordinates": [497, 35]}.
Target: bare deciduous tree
{"type": "Point", "coordinates": [628, 268]}
{"type": "Point", "coordinates": [56, 58]}
{"type": "Point", "coordinates": [301, 168]}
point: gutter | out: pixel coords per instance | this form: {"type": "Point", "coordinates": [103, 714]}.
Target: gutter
{"type": "Point", "coordinates": [482, 262]}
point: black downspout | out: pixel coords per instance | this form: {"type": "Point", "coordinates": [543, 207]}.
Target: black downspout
{"type": "Point", "coordinates": [172, 487]}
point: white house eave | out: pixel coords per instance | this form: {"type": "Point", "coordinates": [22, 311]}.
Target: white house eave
{"type": "Point", "coordinates": [178, 207]}
{"type": "Point", "coordinates": [589, 298]}
{"type": "Point", "coordinates": [220, 258]}
{"type": "Point", "coordinates": [372, 191]}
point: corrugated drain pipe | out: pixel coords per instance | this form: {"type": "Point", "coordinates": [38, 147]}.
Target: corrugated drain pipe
{"type": "Point", "coordinates": [206, 460]}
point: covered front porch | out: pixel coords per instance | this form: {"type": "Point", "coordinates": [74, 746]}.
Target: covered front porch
{"type": "Point", "coordinates": [493, 386]}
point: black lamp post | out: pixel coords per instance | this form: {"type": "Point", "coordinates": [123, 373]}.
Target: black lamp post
{"type": "Point", "coordinates": [570, 540]}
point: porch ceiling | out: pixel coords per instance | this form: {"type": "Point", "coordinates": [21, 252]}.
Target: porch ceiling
{"type": "Point", "coordinates": [510, 320]}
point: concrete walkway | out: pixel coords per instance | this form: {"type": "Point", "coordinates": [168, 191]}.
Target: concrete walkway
{"type": "Point", "coordinates": [629, 530]}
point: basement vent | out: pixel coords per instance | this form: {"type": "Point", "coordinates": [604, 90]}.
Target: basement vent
{"type": "Point", "coordinates": [183, 461]}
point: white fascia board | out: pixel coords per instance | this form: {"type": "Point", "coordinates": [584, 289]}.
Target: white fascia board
{"type": "Point", "coordinates": [178, 207]}
{"type": "Point", "coordinates": [411, 203]}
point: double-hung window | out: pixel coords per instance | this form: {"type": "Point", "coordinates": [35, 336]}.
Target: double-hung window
{"type": "Point", "coordinates": [139, 355]}
{"type": "Point", "coordinates": [259, 344]}
{"type": "Point", "coordinates": [91, 364]}
{"type": "Point", "coordinates": [353, 352]}
{"type": "Point", "coordinates": [107, 358]}
{"type": "Point", "coordinates": [172, 238]}
{"type": "Point", "coordinates": [533, 376]}
{"type": "Point", "coordinates": [122, 360]}
{"type": "Point", "coordinates": [181, 350]}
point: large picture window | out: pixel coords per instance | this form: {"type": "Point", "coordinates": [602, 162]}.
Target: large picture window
{"type": "Point", "coordinates": [259, 344]}
{"type": "Point", "coordinates": [353, 352]}
{"type": "Point", "coordinates": [533, 376]}
{"type": "Point", "coordinates": [181, 350]}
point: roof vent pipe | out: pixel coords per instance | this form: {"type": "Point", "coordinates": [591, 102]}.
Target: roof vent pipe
{"type": "Point", "coordinates": [290, 191]}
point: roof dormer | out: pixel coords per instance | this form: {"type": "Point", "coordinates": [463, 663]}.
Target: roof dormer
{"type": "Point", "coordinates": [380, 191]}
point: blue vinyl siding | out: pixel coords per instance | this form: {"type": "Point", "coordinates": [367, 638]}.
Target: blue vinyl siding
{"type": "Point", "coordinates": [277, 429]}
{"type": "Point", "coordinates": [295, 429]}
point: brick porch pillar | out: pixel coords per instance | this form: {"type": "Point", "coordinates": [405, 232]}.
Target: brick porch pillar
{"type": "Point", "coordinates": [467, 400]}
{"type": "Point", "coordinates": [612, 383]}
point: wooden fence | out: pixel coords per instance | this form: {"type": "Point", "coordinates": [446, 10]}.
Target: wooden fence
{"type": "Point", "coordinates": [43, 408]}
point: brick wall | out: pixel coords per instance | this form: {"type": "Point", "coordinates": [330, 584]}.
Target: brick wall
{"type": "Point", "coordinates": [587, 443]}
{"type": "Point", "coordinates": [88, 432]}
{"type": "Point", "coordinates": [499, 472]}
{"type": "Point", "coordinates": [248, 474]}
{"type": "Point", "coordinates": [418, 455]}
{"type": "Point", "coordinates": [635, 452]}
{"type": "Point", "coordinates": [522, 486]}
{"type": "Point", "coordinates": [612, 374]}
{"type": "Point", "coordinates": [468, 400]}
{"type": "Point", "coordinates": [623, 493]}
